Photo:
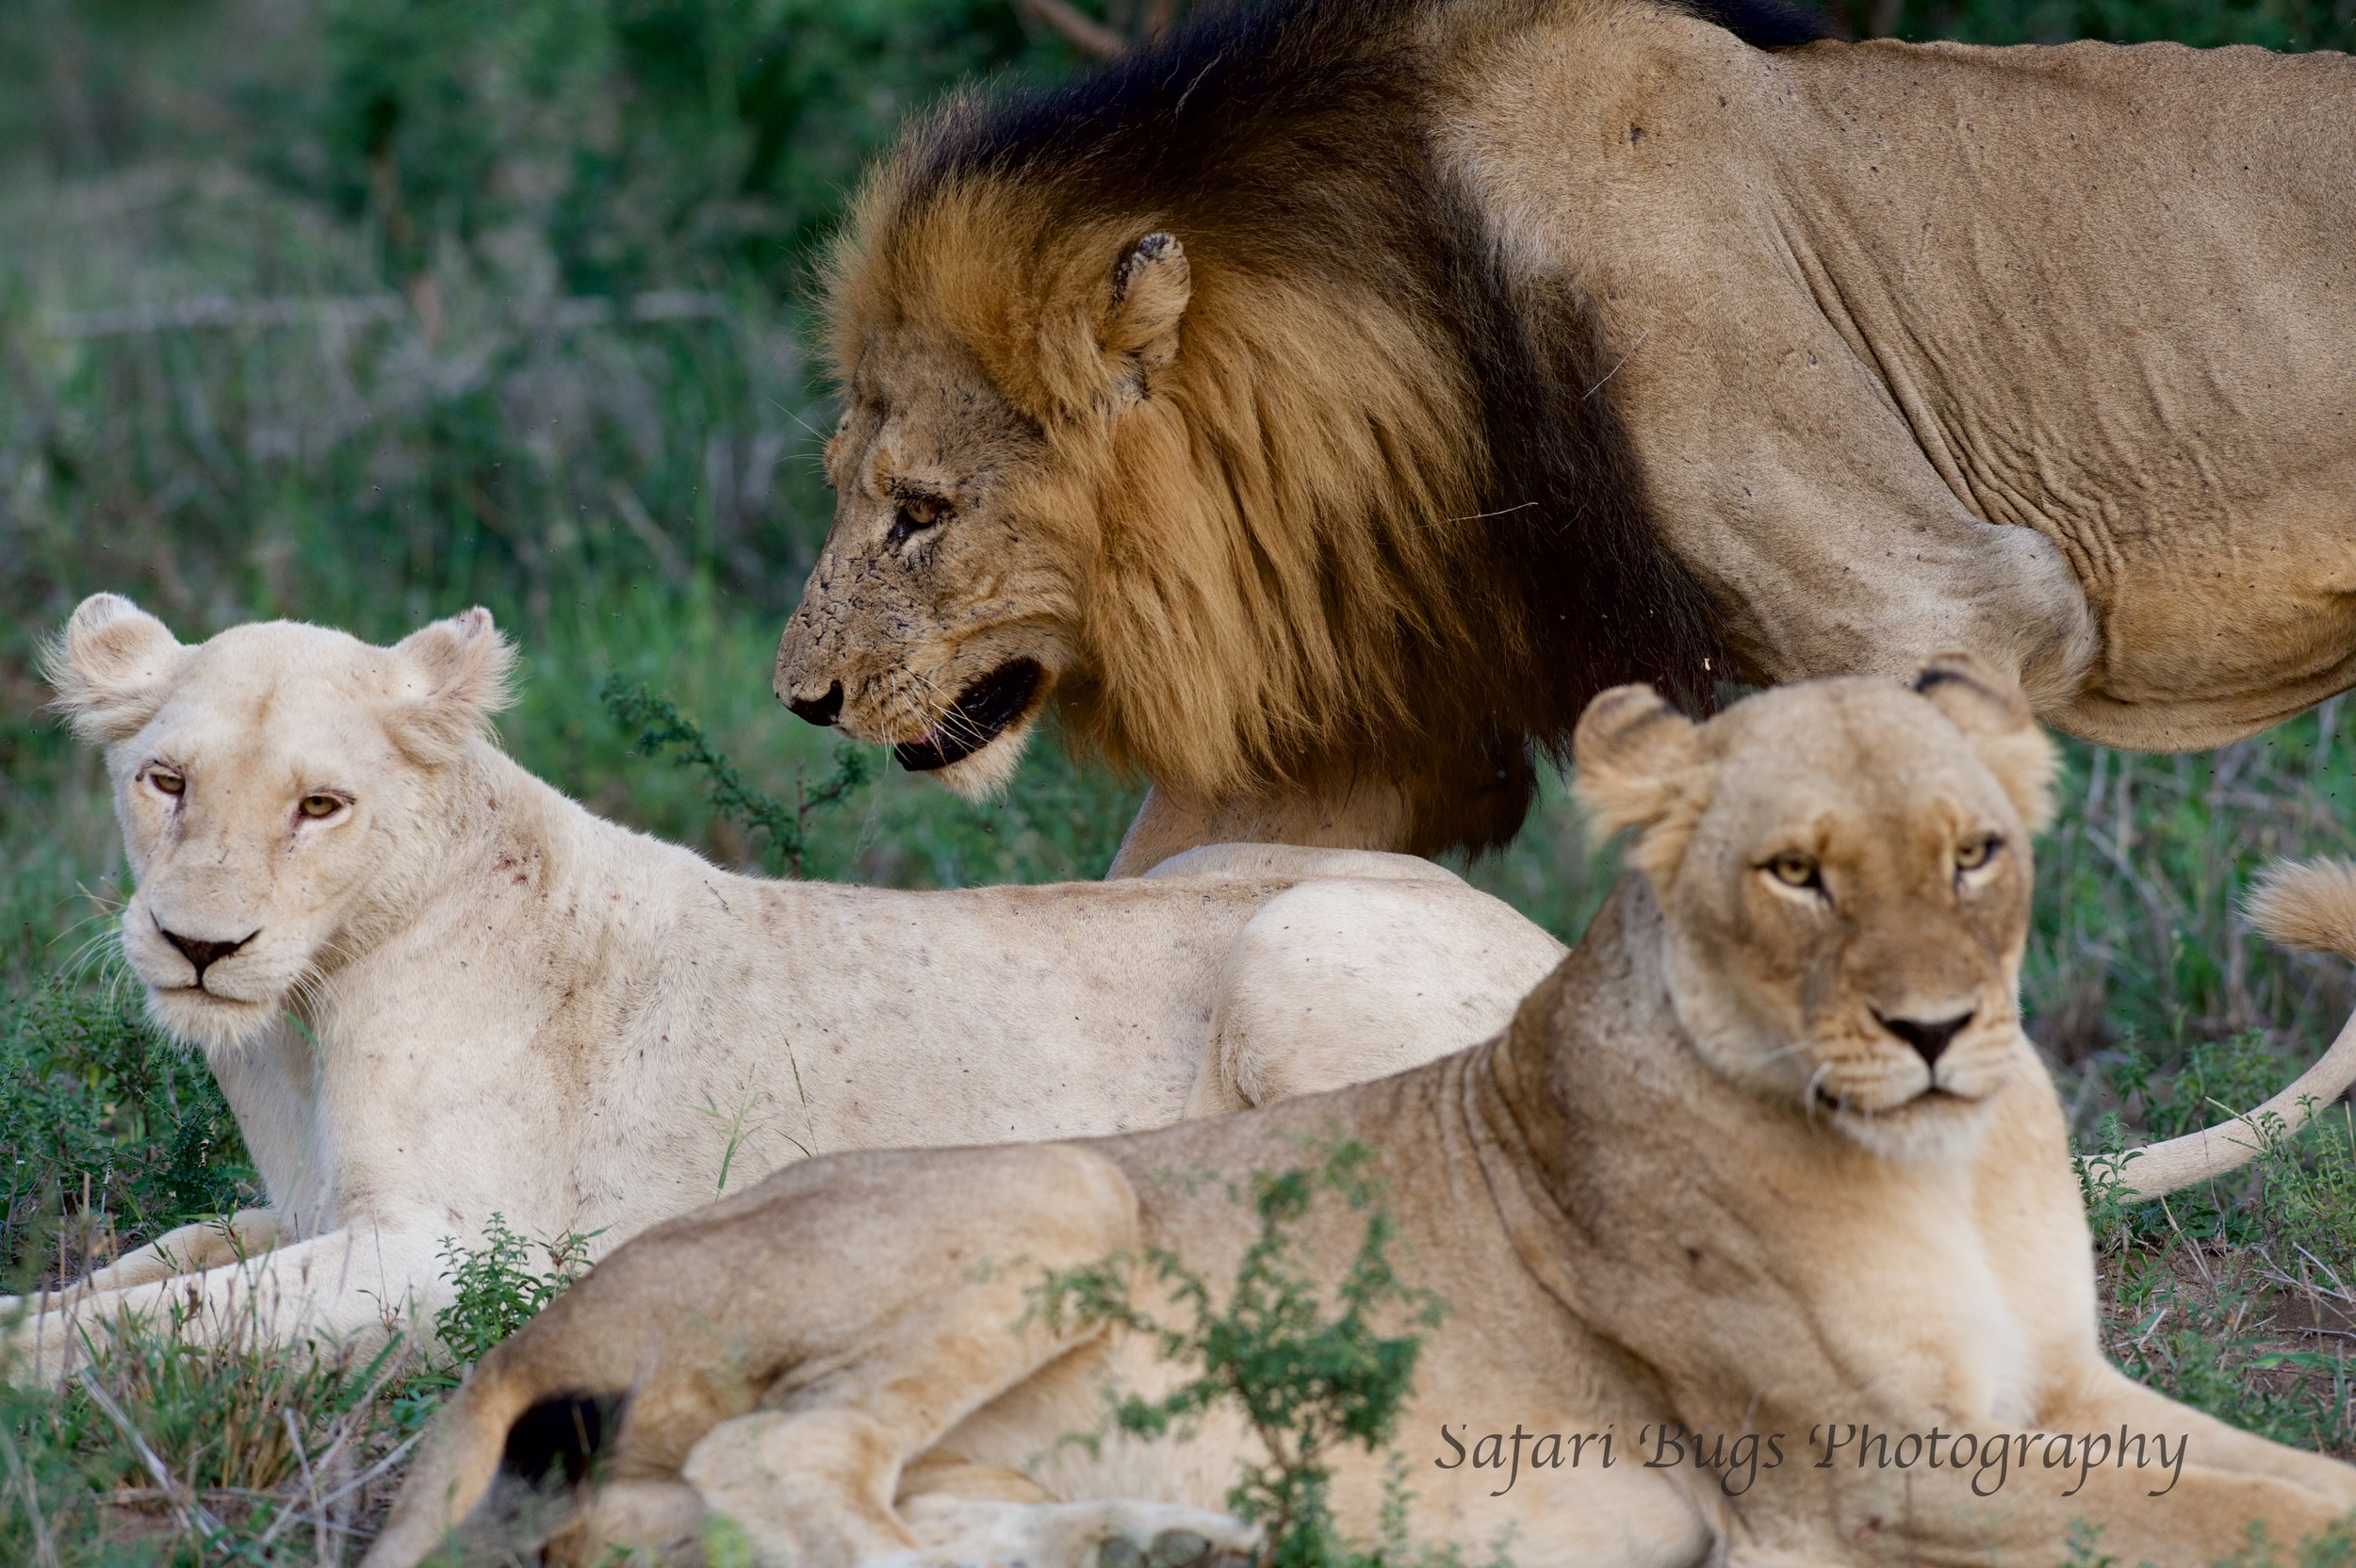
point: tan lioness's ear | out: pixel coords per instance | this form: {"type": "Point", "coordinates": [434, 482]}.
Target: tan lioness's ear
{"type": "Point", "coordinates": [1151, 289]}
{"type": "Point", "coordinates": [112, 668]}
{"type": "Point", "coordinates": [449, 679]}
{"type": "Point", "coordinates": [1634, 756]}
{"type": "Point", "coordinates": [1994, 717]}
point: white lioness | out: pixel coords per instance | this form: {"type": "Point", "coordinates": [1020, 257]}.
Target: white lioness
{"type": "Point", "coordinates": [1766, 1171]}
{"type": "Point", "coordinates": [433, 988]}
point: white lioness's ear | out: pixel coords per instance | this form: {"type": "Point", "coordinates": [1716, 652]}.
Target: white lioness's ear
{"type": "Point", "coordinates": [1640, 765]}
{"type": "Point", "coordinates": [1151, 289]}
{"type": "Point", "coordinates": [1994, 717]}
{"type": "Point", "coordinates": [449, 678]}
{"type": "Point", "coordinates": [112, 668]}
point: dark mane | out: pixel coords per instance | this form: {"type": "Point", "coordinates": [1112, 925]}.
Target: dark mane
{"type": "Point", "coordinates": [1296, 139]}
{"type": "Point", "coordinates": [1764, 24]}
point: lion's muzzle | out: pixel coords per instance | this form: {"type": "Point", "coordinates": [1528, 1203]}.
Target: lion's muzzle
{"type": "Point", "coordinates": [980, 714]}
{"type": "Point", "coordinates": [820, 710]}
{"type": "Point", "coordinates": [1929, 1040]}
{"type": "Point", "coordinates": [203, 953]}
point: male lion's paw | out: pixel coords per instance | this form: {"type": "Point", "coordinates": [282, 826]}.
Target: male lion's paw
{"type": "Point", "coordinates": [1115, 1533]}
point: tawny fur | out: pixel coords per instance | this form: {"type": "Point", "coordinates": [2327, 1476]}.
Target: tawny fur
{"type": "Point", "coordinates": [1702, 1181]}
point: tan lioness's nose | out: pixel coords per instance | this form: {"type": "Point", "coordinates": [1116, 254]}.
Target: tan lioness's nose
{"type": "Point", "coordinates": [1928, 1040]}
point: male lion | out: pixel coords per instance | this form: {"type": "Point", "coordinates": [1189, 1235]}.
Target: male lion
{"type": "Point", "coordinates": [433, 988]}
{"type": "Point", "coordinates": [1767, 1158]}
{"type": "Point", "coordinates": [1321, 403]}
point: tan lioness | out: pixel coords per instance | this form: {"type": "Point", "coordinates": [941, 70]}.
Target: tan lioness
{"type": "Point", "coordinates": [1765, 1170]}
{"type": "Point", "coordinates": [433, 988]}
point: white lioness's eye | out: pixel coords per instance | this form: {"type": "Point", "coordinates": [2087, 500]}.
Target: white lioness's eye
{"type": "Point", "coordinates": [1793, 869]}
{"type": "Point", "coordinates": [166, 781]}
{"type": "Point", "coordinates": [1974, 853]}
{"type": "Point", "coordinates": [321, 805]}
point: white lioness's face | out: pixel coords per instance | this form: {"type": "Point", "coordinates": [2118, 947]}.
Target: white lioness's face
{"type": "Point", "coordinates": [272, 784]}
{"type": "Point", "coordinates": [1845, 873]}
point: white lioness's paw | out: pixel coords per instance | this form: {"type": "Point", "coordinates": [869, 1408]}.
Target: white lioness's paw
{"type": "Point", "coordinates": [1114, 1533]}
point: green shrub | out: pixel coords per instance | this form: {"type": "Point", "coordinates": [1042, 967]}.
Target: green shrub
{"type": "Point", "coordinates": [108, 1133]}
{"type": "Point", "coordinates": [1304, 1383]}
{"type": "Point", "coordinates": [783, 835]}
{"type": "Point", "coordinates": [498, 1291]}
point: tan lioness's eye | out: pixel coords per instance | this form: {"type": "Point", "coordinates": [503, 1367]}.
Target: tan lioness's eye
{"type": "Point", "coordinates": [1793, 869]}
{"type": "Point", "coordinates": [1974, 853]}
{"type": "Point", "coordinates": [166, 781]}
{"type": "Point", "coordinates": [322, 806]}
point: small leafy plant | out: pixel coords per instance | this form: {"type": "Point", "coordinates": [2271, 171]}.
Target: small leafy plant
{"type": "Point", "coordinates": [1304, 1382]}
{"type": "Point", "coordinates": [783, 834]}
{"type": "Point", "coordinates": [498, 1290]}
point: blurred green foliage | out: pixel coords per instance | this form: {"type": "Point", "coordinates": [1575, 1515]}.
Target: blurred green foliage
{"type": "Point", "coordinates": [644, 140]}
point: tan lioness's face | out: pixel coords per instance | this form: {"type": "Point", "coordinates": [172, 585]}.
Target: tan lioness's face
{"type": "Point", "coordinates": [1844, 871]}
{"type": "Point", "coordinates": [273, 785]}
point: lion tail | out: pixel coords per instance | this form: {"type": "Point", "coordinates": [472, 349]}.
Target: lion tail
{"type": "Point", "coordinates": [457, 1462]}
{"type": "Point", "coordinates": [2308, 905]}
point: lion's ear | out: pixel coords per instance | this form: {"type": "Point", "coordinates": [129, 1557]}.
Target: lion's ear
{"type": "Point", "coordinates": [112, 668]}
{"type": "Point", "coordinates": [1151, 289]}
{"type": "Point", "coordinates": [1994, 717]}
{"type": "Point", "coordinates": [449, 679]}
{"type": "Point", "coordinates": [1639, 763]}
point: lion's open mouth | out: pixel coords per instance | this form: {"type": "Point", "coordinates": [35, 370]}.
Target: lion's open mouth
{"type": "Point", "coordinates": [981, 714]}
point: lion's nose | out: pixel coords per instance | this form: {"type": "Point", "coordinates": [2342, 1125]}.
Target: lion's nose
{"type": "Point", "coordinates": [821, 712]}
{"type": "Point", "coordinates": [1928, 1040]}
{"type": "Point", "coordinates": [204, 954]}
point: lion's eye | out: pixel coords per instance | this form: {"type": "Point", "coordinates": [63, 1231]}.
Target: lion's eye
{"type": "Point", "coordinates": [1974, 853]}
{"type": "Point", "coordinates": [321, 805]}
{"type": "Point", "coordinates": [166, 781]}
{"type": "Point", "coordinates": [915, 514]}
{"type": "Point", "coordinates": [1795, 870]}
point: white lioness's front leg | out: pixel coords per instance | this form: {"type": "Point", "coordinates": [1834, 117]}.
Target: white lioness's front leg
{"type": "Point", "coordinates": [188, 1250]}
{"type": "Point", "coordinates": [335, 1289]}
